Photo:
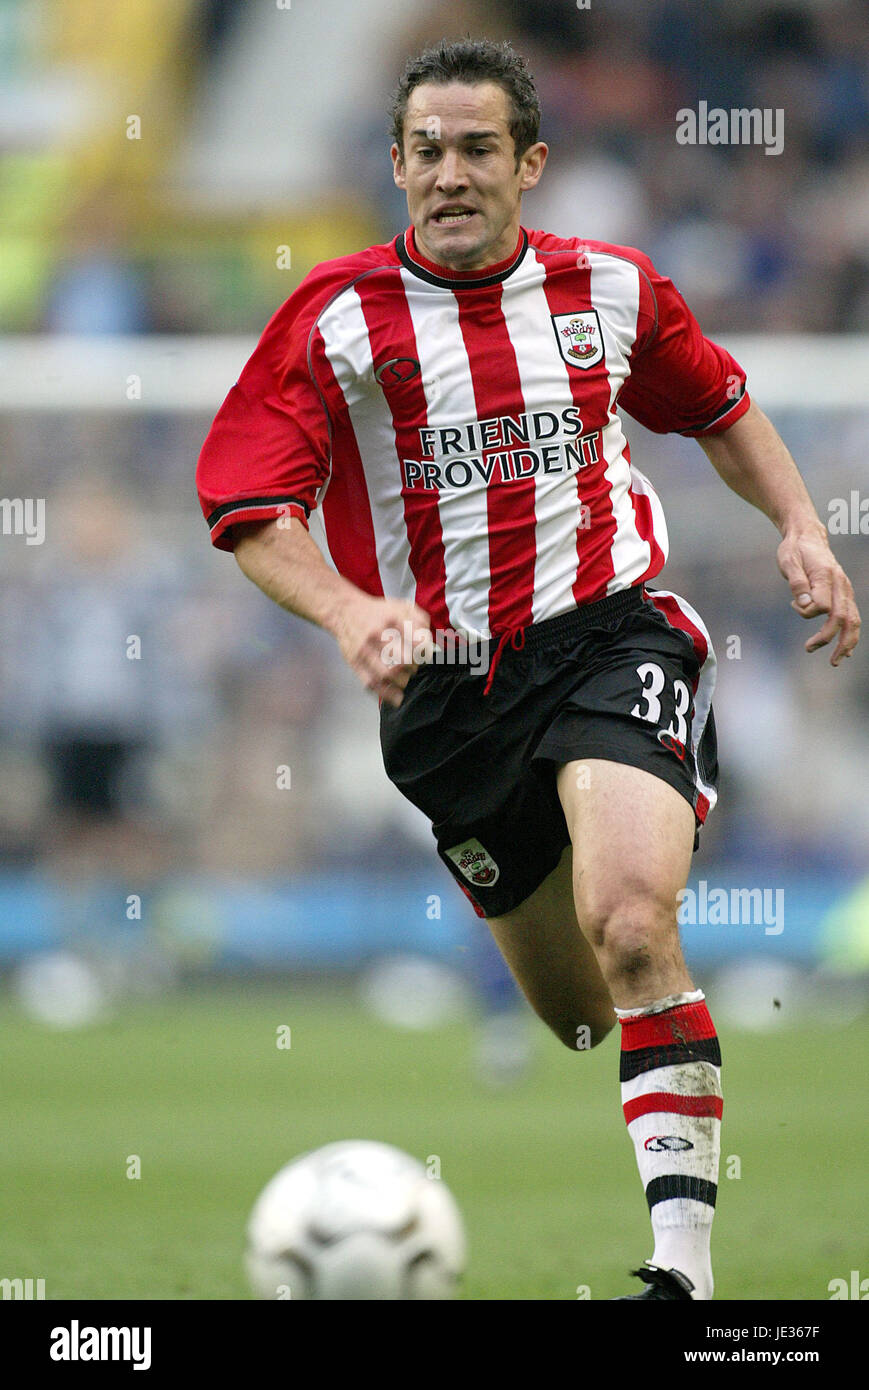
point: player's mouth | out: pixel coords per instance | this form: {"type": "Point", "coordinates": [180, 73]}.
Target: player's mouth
{"type": "Point", "coordinates": [453, 216]}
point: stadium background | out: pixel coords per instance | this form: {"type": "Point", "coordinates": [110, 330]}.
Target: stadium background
{"type": "Point", "coordinates": [168, 897]}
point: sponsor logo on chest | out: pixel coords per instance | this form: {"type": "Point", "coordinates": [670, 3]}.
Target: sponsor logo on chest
{"type": "Point", "coordinates": [502, 449]}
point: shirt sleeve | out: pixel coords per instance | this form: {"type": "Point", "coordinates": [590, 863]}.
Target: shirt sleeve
{"type": "Point", "coordinates": [680, 382]}
{"type": "Point", "coordinates": [268, 451]}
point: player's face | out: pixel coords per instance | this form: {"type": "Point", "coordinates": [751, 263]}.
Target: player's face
{"type": "Point", "coordinates": [459, 171]}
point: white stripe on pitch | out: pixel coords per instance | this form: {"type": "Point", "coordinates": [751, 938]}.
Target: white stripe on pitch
{"type": "Point", "coordinates": [464, 512]}
{"type": "Point", "coordinates": [705, 687]}
{"type": "Point", "coordinates": [545, 379]}
{"type": "Point", "coordinates": [348, 348]}
{"type": "Point", "coordinates": [615, 293]}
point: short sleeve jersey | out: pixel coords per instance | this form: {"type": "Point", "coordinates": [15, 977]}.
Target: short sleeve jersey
{"type": "Point", "coordinates": [460, 433]}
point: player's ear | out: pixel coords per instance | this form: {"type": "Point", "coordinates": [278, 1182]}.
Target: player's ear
{"type": "Point", "coordinates": [397, 166]}
{"type": "Point", "coordinates": [533, 161]}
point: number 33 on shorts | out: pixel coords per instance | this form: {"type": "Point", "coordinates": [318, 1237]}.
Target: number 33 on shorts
{"type": "Point", "coordinates": [648, 707]}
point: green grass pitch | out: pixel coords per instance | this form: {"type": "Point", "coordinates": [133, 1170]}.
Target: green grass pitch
{"type": "Point", "coordinates": [544, 1172]}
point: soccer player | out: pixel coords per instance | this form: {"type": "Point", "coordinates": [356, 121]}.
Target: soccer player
{"type": "Point", "coordinates": [449, 403]}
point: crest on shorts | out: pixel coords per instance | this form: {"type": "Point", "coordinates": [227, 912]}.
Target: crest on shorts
{"type": "Point", "coordinates": [475, 863]}
{"type": "Point", "coordinates": [580, 340]}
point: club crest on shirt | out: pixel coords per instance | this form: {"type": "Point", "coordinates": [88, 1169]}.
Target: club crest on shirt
{"type": "Point", "coordinates": [580, 340]}
{"type": "Point", "coordinates": [474, 863]}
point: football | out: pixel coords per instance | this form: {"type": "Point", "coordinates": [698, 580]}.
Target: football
{"type": "Point", "coordinates": [355, 1220]}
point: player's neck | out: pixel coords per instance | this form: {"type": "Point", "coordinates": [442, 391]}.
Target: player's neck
{"type": "Point", "coordinates": [448, 272]}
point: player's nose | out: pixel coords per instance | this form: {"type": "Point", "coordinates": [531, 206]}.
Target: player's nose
{"type": "Point", "coordinates": [452, 172]}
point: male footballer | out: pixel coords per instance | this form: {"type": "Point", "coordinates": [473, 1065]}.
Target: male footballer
{"type": "Point", "coordinates": [449, 401]}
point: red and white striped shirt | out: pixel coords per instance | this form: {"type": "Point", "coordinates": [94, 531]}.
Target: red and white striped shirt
{"type": "Point", "coordinates": [458, 431]}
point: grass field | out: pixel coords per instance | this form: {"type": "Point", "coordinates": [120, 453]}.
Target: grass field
{"type": "Point", "coordinates": [543, 1171]}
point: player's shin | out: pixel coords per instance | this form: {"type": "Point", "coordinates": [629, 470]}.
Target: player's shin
{"type": "Point", "coordinates": [671, 1095]}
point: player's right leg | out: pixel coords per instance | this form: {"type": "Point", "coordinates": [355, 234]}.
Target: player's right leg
{"type": "Point", "coordinates": [553, 963]}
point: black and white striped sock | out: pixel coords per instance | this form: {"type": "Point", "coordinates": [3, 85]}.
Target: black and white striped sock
{"type": "Point", "coordinates": [671, 1096]}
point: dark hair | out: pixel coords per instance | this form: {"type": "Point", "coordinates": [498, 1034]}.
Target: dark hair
{"type": "Point", "coordinates": [473, 61]}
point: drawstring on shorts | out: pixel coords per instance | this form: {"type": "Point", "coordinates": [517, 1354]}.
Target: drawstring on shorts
{"type": "Point", "coordinates": [510, 635]}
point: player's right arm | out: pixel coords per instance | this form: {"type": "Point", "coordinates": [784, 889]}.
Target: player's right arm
{"type": "Point", "coordinates": [267, 457]}
{"type": "Point", "coordinates": [377, 637]}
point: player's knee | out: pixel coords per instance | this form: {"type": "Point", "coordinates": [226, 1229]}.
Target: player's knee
{"type": "Point", "coordinates": [631, 936]}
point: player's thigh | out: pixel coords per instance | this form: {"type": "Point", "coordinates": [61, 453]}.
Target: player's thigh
{"type": "Point", "coordinates": [553, 963]}
{"type": "Point", "coordinates": [633, 838]}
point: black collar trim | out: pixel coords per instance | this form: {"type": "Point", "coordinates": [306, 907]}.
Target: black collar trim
{"type": "Point", "coordinates": [449, 283]}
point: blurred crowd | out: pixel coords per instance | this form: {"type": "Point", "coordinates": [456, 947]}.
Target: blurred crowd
{"type": "Point", "coordinates": [755, 241]}
{"type": "Point", "coordinates": [116, 229]}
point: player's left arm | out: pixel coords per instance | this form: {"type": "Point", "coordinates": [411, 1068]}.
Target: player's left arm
{"type": "Point", "coordinates": [753, 460]}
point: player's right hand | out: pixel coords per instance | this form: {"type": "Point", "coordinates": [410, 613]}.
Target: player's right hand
{"type": "Point", "coordinates": [384, 641]}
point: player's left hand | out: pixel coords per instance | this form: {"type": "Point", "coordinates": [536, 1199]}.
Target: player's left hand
{"type": "Point", "coordinates": [820, 585]}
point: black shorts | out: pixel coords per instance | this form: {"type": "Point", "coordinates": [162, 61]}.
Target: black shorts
{"type": "Point", "coordinates": [628, 679]}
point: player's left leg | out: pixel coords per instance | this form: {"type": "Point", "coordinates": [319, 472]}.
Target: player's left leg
{"type": "Point", "coordinates": [632, 836]}
{"type": "Point", "coordinates": [553, 962]}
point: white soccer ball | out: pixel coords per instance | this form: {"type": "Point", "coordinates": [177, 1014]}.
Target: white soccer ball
{"type": "Point", "coordinates": [355, 1220]}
